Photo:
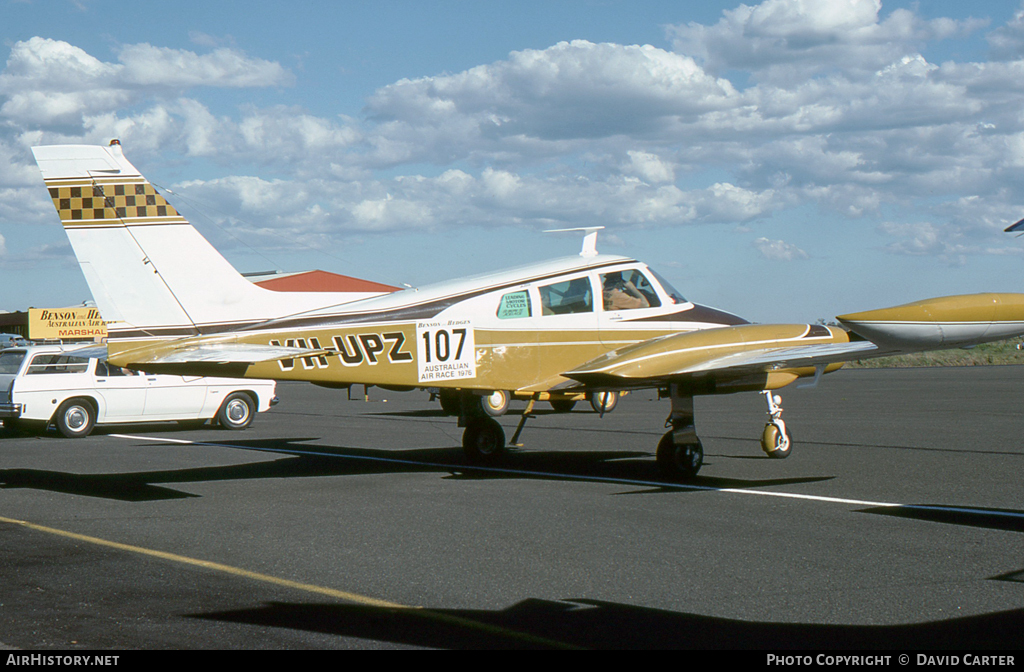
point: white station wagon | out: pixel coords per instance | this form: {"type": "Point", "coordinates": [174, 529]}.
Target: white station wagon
{"type": "Point", "coordinates": [43, 385]}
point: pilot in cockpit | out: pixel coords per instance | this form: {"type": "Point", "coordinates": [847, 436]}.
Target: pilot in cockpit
{"type": "Point", "coordinates": [621, 294]}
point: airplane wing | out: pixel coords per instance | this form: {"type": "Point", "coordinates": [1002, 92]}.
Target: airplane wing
{"type": "Point", "coordinates": [753, 356]}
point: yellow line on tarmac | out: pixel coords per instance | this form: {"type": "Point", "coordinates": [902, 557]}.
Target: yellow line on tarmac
{"type": "Point", "coordinates": [307, 587]}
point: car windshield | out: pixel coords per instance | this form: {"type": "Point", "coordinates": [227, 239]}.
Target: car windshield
{"type": "Point", "coordinates": [667, 286]}
{"type": "Point", "coordinates": [10, 361]}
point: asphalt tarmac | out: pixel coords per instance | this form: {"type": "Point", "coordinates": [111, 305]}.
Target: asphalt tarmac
{"type": "Point", "coordinates": [895, 524]}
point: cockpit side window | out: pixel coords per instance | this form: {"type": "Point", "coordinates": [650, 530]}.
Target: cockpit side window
{"type": "Point", "coordinates": [571, 296]}
{"type": "Point", "coordinates": [628, 290]}
{"type": "Point", "coordinates": [513, 305]}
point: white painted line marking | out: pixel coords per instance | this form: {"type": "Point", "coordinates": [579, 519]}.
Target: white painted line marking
{"type": "Point", "coordinates": [597, 479]}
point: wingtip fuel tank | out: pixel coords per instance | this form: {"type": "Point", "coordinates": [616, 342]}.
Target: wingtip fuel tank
{"type": "Point", "coordinates": [950, 321]}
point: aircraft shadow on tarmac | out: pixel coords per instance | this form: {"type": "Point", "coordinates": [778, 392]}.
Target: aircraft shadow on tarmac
{"type": "Point", "coordinates": [1008, 520]}
{"type": "Point", "coordinates": [536, 623]}
{"type": "Point", "coordinates": [299, 459]}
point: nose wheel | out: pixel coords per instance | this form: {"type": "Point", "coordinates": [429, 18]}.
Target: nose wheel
{"type": "Point", "coordinates": [776, 440]}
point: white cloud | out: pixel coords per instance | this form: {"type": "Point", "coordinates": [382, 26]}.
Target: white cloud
{"type": "Point", "coordinates": [927, 239]}
{"type": "Point", "coordinates": [779, 250]}
{"type": "Point", "coordinates": [50, 82]}
{"type": "Point", "coordinates": [787, 41]}
{"type": "Point", "coordinates": [146, 65]}
{"type": "Point", "coordinates": [649, 166]}
{"type": "Point", "coordinates": [573, 92]}
{"type": "Point", "coordinates": [836, 108]}
{"type": "Point", "coordinates": [1007, 41]}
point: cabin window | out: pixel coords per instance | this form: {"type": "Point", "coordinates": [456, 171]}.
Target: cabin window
{"type": "Point", "coordinates": [513, 305]}
{"type": "Point", "coordinates": [571, 296]}
{"type": "Point", "coordinates": [628, 290]}
{"type": "Point", "coordinates": [57, 364]}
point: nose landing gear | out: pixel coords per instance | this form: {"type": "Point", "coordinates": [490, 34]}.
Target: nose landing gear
{"type": "Point", "coordinates": [775, 439]}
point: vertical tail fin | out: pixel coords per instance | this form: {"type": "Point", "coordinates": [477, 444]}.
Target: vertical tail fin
{"type": "Point", "coordinates": [150, 272]}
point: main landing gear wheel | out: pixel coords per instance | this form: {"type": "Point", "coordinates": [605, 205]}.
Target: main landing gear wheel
{"type": "Point", "coordinates": [603, 402]}
{"type": "Point", "coordinates": [679, 460]}
{"type": "Point", "coordinates": [495, 404]}
{"type": "Point", "coordinates": [75, 419]}
{"type": "Point", "coordinates": [451, 403]}
{"type": "Point", "coordinates": [775, 443]}
{"type": "Point", "coordinates": [563, 405]}
{"type": "Point", "coordinates": [484, 439]}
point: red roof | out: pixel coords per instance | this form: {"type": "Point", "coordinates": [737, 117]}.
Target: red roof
{"type": "Point", "coordinates": [322, 281]}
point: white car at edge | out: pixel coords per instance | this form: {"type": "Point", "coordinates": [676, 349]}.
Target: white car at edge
{"type": "Point", "coordinates": [43, 385]}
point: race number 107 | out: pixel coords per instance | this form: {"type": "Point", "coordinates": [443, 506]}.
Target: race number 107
{"type": "Point", "coordinates": [442, 346]}
{"type": "Point", "coordinates": [446, 351]}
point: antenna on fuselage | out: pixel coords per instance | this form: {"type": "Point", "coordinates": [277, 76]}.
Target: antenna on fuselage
{"type": "Point", "coordinates": [589, 240]}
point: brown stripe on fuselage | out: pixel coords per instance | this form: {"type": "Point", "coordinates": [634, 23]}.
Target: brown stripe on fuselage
{"type": "Point", "coordinates": [697, 313]}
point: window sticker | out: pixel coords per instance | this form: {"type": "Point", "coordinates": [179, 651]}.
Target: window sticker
{"type": "Point", "coordinates": [513, 305]}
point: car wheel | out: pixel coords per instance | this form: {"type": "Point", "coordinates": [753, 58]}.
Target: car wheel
{"type": "Point", "coordinates": [75, 418]}
{"type": "Point", "coordinates": [237, 411]}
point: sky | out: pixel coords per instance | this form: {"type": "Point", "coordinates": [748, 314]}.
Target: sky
{"type": "Point", "coordinates": [788, 161]}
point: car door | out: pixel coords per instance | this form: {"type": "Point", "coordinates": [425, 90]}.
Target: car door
{"type": "Point", "coordinates": [123, 391]}
{"type": "Point", "coordinates": [174, 397]}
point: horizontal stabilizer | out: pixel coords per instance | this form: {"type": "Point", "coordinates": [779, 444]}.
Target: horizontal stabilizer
{"type": "Point", "coordinates": [229, 353]}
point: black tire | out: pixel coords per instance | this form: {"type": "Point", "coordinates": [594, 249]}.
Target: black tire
{"type": "Point", "coordinates": [495, 404]}
{"type": "Point", "coordinates": [75, 418]}
{"type": "Point", "coordinates": [563, 405]}
{"type": "Point", "coordinates": [451, 403]}
{"type": "Point", "coordinates": [603, 402]}
{"type": "Point", "coordinates": [484, 439]}
{"type": "Point", "coordinates": [771, 438]}
{"type": "Point", "coordinates": [679, 460]}
{"type": "Point", "coordinates": [237, 411]}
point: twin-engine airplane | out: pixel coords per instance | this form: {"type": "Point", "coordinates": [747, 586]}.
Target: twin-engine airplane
{"type": "Point", "coordinates": [592, 323]}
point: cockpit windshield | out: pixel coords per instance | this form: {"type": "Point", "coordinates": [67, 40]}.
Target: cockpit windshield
{"type": "Point", "coordinates": [667, 286]}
